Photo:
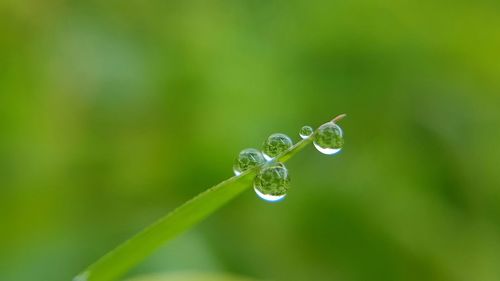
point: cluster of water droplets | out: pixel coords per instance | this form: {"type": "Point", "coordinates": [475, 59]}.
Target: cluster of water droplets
{"type": "Point", "coordinates": [272, 180]}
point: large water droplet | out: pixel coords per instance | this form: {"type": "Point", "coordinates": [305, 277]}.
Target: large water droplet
{"type": "Point", "coordinates": [247, 159]}
{"type": "Point", "coordinates": [306, 132]}
{"type": "Point", "coordinates": [272, 182]}
{"type": "Point", "coordinates": [329, 139]}
{"type": "Point", "coordinates": [275, 145]}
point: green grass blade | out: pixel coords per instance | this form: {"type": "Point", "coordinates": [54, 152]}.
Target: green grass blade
{"type": "Point", "coordinates": [131, 252]}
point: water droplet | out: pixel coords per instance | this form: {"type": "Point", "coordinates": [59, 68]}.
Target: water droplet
{"type": "Point", "coordinates": [247, 159]}
{"type": "Point", "coordinates": [272, 182]}
{"type": "Point", "coordinates": [275, 145]}
{"type": "Point", "coordinates": [329, 139]}
{"type": "Point", "coordinates": [306, 132]}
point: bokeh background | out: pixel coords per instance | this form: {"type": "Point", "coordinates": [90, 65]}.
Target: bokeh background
{"type": "Point", "coordinates": [112, 113]}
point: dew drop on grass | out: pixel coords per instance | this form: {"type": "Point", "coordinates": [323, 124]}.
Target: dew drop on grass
{"type": "Point", "coordinates": [272, 182]}
{"type": "Point", "coordinates": [275, 145]}
{"type": "Point", "coordinates": [247, 159]}
{"type": "Point", "coordinates": [329, 139]}
{"type": "Point", "coordinates": [306, 132]}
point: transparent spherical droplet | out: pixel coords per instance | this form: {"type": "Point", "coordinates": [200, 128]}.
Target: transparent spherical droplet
{"type": "Point", "coordinates": [306, 132]}
{"type": "Point", "coordinates": [272, 182]}
{"type": "Point", "coordinates": [247, 159]}
{"type": "Point", "coordinates": [329, 139]}
{"type": "Point", "coordinates": [275, 145]}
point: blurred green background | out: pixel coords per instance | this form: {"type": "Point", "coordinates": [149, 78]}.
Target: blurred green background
{"type": "Point", "coordinates": [112, 113]}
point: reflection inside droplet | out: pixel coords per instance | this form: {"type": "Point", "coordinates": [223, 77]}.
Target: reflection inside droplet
{"type": "Point", "coordinates": [247, 159]}
{"type": "Point", "coordinates": [269, 198]}
{"type": "Point", "coordinates": [327, 151]}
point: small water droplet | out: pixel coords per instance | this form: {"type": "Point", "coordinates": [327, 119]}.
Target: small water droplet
{"type": "Point", "coordinates": [306, 132]}
{"type": "Point", "coordinates": [272, 182]}
{"type": "Point", "coordinates": [329, 139]}
{"type": "Point", "coordinates": [275, 145]}
{"type": "Point", "coordinates": [247, 159]}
